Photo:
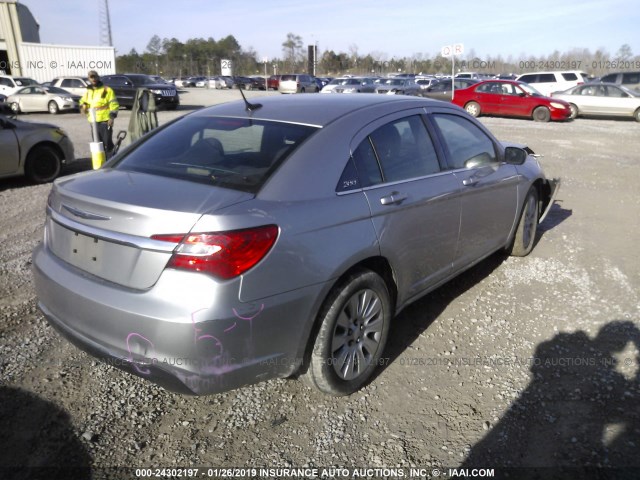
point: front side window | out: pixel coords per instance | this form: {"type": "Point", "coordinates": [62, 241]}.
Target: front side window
{"type": "Point", "coordinates": [467, 144]}
{"type": "Point", "coordinates": [229, 152]}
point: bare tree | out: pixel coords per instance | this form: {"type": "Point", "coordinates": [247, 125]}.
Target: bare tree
{"type": "Point", "coordinates": [292, 48]}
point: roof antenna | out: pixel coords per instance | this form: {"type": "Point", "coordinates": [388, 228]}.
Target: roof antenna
{"type": "Point", "coordinates": [250, 106]}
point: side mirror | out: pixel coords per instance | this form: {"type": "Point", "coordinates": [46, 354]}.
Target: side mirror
{"type": "Point", "coordinates": [515, 155]}
{"type": "Point", "coordinates": [522, 94]}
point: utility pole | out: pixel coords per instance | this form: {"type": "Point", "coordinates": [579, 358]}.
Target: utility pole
{"type": "Point", "coordinates": [105, 23]}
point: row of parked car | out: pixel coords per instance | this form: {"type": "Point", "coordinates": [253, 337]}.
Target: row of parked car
{"type": "Point", "coordinates": [542, 96]}
{"type": "Point", "coordinates": [21, 94]}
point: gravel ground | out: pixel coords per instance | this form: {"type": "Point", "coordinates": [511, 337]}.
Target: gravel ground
{"type": "Point", "coordinates": [520, 362]}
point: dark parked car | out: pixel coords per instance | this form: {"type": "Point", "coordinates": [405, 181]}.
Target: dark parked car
{"type": "Point", "coordinates": [630, 80]}
{"type": "Point", "coordinates": [126, 85]}
{"type": "Point", "coordinates": [248, 83]}
{"type": "Point", "coordinates": [244, 242]}
{"type": "Point", "coordinates": [441, 90]}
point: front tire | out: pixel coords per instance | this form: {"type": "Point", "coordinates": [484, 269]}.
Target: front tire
{"type": "Point", "coordinates": [473, 109]}
{"type": "Point", "coordinates": [541, 114]}
{"type": "Point", "coordinates": [43, 164]}
{"type": "Point", "coordinates": [636, 115]}
{"type": "Point", "coordinates": [15, 107]}
{"type": "Point", "coordinates": [53, 107]}
{"type": "Point", "coordinates": [525, 235]}
{"type": "Point", "coordinates": [354, 326]}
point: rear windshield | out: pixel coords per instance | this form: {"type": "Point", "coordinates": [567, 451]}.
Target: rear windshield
{"type": "Point", "coordinates": [234, 153]}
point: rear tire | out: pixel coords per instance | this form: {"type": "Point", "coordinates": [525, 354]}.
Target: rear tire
{"type": "Point", "coordinates": [541, 114]}
{"type": "Point", "coordinates": [43, 164]}
{"type": "Point", "coordinates": [354, 326]}
{"type": "Point", "coordinates": [473, 109]}
{"type": "Point", "coordinates": [525, 235]}
{"type": "Point", "coordinates": [636, 115]}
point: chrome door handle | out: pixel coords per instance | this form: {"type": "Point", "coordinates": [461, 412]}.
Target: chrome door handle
{"type": "Point", "coordinates": [393, 199]}
{"type": "Point", "coordinates": [468, 182]}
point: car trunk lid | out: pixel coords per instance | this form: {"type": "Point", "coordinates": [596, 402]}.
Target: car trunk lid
{"type": "Point", "coordinates": [102, 222]}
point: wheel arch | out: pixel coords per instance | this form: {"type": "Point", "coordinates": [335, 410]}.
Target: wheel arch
{"type": "Point", "coordinates": [378, 264]}
{"type": "Point", "coordinates": [44, 143]}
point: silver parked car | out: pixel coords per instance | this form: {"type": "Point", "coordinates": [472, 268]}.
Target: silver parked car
{"type": "Point", "coordinates": [397, 86]}
{"type": "Point", "coordinates": [37, 150]}
{"type": "Point", "coordinates": [601, 99]}
{"type": "Point", "coordinates": [355, 85]}
{"type": "Point", "coordinates": [38, 98]}
{"type": "Point", "coordinates": [249, 241]}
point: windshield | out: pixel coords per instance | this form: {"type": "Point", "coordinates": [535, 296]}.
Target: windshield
{"type": "Point", "coordinates": [230, 152]}
{"type": "Point", "coordinates": [57, 91]}
{"type": "Point", "coordinates": [23, 82]}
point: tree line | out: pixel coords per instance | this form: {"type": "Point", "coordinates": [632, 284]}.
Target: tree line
{"type": "Point", "coordinates": [170, 57]}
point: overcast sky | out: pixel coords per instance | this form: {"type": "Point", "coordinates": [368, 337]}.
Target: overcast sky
{"type": "Point", "coordinates": [396, 28]}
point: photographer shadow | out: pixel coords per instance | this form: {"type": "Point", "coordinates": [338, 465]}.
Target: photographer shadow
{"type": "Point", "coordinates": [38, 440]}
{"type": "Point", "coordinates": [578, 418]}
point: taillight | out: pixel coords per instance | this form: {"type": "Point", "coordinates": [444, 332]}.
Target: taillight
{"type": "Point", "coordinates": [222, 254]}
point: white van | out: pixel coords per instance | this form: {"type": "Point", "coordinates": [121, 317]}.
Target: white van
{"type": "Point", "coordinates": [548, 82]}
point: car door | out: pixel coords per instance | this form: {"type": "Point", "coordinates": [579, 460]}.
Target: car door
{"type": "Point", "coordinates": [9, 151]}
{"type": "Point", "coordinates": [488, 186]}
{"type": "Point", "coordinates": [616, 101]}
{"type": "Point", "coordinates": [489, 96]}
{"type": "Point", "coordinates": [33, 99]}
{"type": "Point", "coordinates": [73, 85]}
{"type": "Point", "coordinates": [586, 98]}
{"type": "Point", "coordinates": [414, 204]}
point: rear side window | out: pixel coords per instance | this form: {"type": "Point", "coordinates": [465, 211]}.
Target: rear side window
{"type": "Point", "coordinates": [631, 77]}
{"type": "Point", "coordinates": [546, 78]}
{"type": "Point", "coordinates": [529, 78]}
{"type": "Point", "coordinates": [570, 77]}
{"type": "Point", "coordinates": [611, 78]}
{"type": "Point", "coordinates": [467, 144]}
{"type": "Point", "coordinates": [234, 153]}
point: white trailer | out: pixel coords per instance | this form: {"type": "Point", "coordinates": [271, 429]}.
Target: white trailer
{"type": "Point", "coordinates": [44, 62]}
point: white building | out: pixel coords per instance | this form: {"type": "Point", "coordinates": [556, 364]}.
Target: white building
{"type": "Point", "coordinates": [22, 54]}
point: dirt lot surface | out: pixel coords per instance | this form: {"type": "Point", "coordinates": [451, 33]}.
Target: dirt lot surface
{"type": "Point", "coordinates": [520, 362]}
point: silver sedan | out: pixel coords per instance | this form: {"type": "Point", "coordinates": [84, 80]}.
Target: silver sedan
{"type": "Point", "coordinates": [38, 98]}
{"type": "Point", "coordinates": [601, 99]}
{"type": "Point", "coordinates": [397, 86]}
{"type": "Point", "coordinates": [248, 241]}
{"type": "Point", "coordinates": [37, 150]}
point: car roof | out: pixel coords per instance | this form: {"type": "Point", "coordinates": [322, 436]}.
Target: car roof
{"type": "Point", "coordinates": [317, 110]}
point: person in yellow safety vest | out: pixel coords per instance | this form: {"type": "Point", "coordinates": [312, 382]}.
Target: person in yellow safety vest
{"type": "Point", "coordinates": [103, 99]}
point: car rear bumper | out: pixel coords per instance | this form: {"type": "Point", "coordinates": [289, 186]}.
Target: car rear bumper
{"type": "Point", "coordinates": [178, 340]}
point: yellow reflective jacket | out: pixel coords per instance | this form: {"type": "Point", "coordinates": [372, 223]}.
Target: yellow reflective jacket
{"type": "Point", "coordinates": [103, 99]}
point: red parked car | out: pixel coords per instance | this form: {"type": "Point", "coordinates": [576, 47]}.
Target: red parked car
{"type": "Point", "coordinates": [273, 82]}
{"type": "Point", "coordinates": [511, 99]}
